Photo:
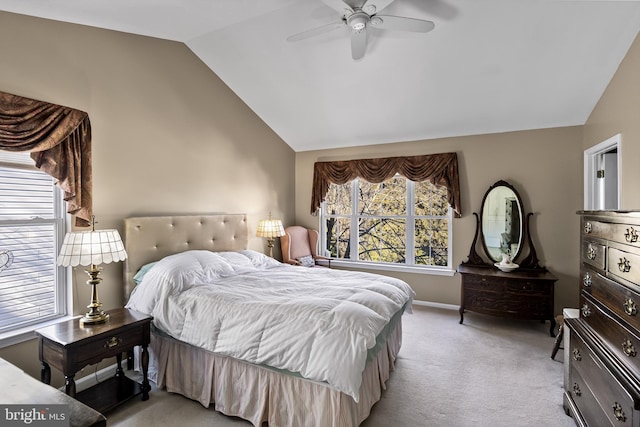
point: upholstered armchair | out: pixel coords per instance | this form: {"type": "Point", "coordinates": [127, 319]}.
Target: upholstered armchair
{"type": "Point", "coordinates": [300, 247]}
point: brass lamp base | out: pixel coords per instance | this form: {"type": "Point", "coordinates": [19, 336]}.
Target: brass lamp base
{"type": "Point", "coordinates": [95, 314]}
{"type": "Point", "coordinates": [94, 318]}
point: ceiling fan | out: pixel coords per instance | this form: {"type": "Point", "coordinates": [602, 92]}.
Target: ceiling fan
{"type": "Point", "coordinates": [358, 15]}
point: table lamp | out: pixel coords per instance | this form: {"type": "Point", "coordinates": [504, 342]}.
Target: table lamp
{"type": "Point", "coordinates": [92, 248]}
{"type": "Point", "coordinates": [270, 228]}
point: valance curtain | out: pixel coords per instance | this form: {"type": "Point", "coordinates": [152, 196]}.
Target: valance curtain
{"type": "Point", "coordinates": [439, 169]}
{"type": "Point", "coordinates": [59, 139]}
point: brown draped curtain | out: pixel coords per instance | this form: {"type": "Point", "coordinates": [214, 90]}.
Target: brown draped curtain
{"type": "Point", "coordinates": [59, 139]}
{"type": "Point", "coordinates": [439, 169]}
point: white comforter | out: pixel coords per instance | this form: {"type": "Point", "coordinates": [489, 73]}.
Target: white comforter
{"type": "Point", "coordinates": [316, 321]}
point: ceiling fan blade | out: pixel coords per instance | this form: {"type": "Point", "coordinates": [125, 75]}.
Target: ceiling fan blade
{"type": "Point", "coordinates": [338, 5]}
{"type": "Point", "coordinates": [358, 43]}
{"type": "Point", "coordinates": [375, 6]}
{"type": "Point", "coordinates": [315, 31]}
{"type": "Point", "coordinates": [387, 22]}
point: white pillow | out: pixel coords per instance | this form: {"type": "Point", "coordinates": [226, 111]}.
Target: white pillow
{"type": "Point", "coordinates": [260, 260]}
{"type": "Point", "coordinates": [177, 273]}
{"type": "Point", "coordinates": [238, 261]}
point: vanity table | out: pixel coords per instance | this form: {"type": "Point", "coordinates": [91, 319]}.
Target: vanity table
{"type": "Point", "coordinates": [524, 292]}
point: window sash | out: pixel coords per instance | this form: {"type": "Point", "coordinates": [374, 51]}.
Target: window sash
{"type": "Point", "coordinates": [410, 219]}
{"type": "Point", "coordinates": [33, 289]}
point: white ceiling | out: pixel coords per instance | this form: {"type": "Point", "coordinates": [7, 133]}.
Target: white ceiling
{"type": "Point", "coordinates": [488, 66]}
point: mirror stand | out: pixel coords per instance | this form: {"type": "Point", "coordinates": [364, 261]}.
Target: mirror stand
{"type": "Point", "coordinates": [474, 259]}
{"type": "Point", "coordinates": [530, 262]}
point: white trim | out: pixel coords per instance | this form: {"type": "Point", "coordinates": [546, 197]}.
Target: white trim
{"type": "Point", "coordinates": [362, 265]}
{"type": "Point", "coordinates": [590, 168]}
{"type": "Point", "coordinates": [17, 336]}
{"type": "Point", "coordinates": [436, 305]}
{"type": "Point", "coordinates": [90, 380]}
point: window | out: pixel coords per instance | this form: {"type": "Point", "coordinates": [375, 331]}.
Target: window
{"type": "Point", "coordinates": [32, 222]}
{"type": "Point", "coordinates": [395, 222]}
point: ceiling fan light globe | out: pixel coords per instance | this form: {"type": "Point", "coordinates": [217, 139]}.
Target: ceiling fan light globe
{"type": "Point", "coordinates": [358, 22]}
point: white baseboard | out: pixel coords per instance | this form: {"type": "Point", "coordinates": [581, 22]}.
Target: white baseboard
{"type": "Point", "coordinates": [436, 305]}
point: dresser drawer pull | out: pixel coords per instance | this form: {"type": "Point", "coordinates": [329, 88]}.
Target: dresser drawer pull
{"type": "Point", "coordinates": [112, 342]}
{"type": "Point", "coordinates": [592, 252]}
{"type": "Point", "coordinates": [586, 311]}
{"type": "Point", "coordinates": [628, 348]}
{"type": "Point", "coordinates": [631, 235]}
{"type": "Point", "coordinates": [618, 412]}
{"type": "Point", "coordinates": [587, 227]}
{"type": "Point", "coordinates": [586, 280]}
{"type": "Point", "coordinates": [630, 307]}
{"type": "Point", "coordinates": [624, 265]}
{"type": "Point", "coordinates": [576, 355]}
{"type": "Point", "coordinates": [576, 389]}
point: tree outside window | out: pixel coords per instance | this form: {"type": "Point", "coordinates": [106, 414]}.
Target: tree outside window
{"type": "Point", "coordinates": [397, 221]}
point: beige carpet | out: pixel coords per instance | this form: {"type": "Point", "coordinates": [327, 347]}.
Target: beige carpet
{"type": "Point", "coordinates": [487, 372]}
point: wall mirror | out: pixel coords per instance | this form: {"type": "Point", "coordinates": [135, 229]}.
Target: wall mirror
{"type": "Point", "coordinates": [501, 221]}
{"type": "Point", "coordinates": [503, 227]}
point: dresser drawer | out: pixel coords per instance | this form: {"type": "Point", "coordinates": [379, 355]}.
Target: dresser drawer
{"type": "Point", "coordinates": [623, 342]}
{"type": "Point", "coordinates": [624, 264]}
{"type": "Point", "coordinates": [621, 233]}
{"type": "Point", "coordinates": [618, 298]}
{"type": "Point", "coordinates": [594, 253]}
{"type": "Point", "coordinates": [529, 287]}
{"type": "Point", "coordinates": [109, 345]}
{"type": "Point", "coordinates": [596, 392]}
{"type": "Point", "coordinates": [484, 283]}
{"type": "Point", "coordinates": [509, 305]}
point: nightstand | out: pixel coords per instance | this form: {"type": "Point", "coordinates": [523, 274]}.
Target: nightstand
{"type": "Point", "coordinates": [69, 347]}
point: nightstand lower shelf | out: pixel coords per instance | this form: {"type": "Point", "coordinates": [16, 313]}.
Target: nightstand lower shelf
{"type": "Point", "coordinates": [110, 393]}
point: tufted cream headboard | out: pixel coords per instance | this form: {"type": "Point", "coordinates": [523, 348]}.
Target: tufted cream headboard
{"type": "Point", "coordinates": [149, 239]}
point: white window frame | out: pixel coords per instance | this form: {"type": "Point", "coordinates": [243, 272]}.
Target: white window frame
{"type": "Point", "coordinates": [63, 299]}
{"type": "Point", "coordinates": [410, 217]}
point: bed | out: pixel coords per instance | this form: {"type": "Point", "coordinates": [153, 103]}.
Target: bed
{"type": "Point", "coordinates": [257, 372]}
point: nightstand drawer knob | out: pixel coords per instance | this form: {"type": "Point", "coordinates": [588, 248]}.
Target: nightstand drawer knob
{"type": "Point", "coordinates": [112, 342]}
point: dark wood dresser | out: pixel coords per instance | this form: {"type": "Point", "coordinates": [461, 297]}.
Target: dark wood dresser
{"type": "Point", "coordinates": [520, 294]}
{"type": "Point", "coordinates": [604, 367]}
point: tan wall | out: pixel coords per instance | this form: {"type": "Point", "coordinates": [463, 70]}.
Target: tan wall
{"type": "Point", "coordinates": [618, 111]}
{"type": "Point", "coordinates": [545, 166]}
{"type": "Point", "coordinates": [169, 137]}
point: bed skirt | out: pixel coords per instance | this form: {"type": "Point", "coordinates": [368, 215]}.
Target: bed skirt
{"type": "Point", "coordinates": [260, 394]}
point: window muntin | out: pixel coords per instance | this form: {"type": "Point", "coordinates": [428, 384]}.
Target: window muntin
{"type": "Point", "coordinates": [32, 287]}
{"type": "Point", "coordinates": [395, 222]}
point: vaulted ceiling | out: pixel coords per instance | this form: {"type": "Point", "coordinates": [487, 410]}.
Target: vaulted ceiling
{"type": "Point", "coordinates": [487, 66]}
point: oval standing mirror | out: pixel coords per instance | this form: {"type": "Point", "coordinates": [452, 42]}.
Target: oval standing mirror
{"type": "Point", "coordinates": [502, 221]}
